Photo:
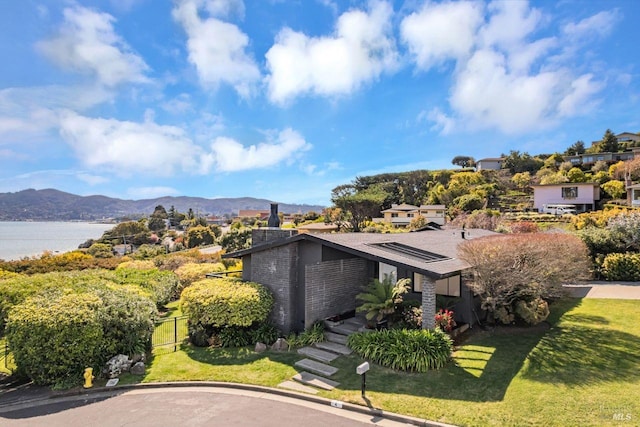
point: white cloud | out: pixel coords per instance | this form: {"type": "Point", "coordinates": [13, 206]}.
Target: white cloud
{"type": "Point", "coordinates": [505, 77]}
{"type": "Point", "coordinates": [600, 24]}
{"type": "Point", "coordinates": [486, 93]}
{"type": "Point", "coordinates": [361, 48]}
{"type": "Point", "coordinates": [228, 155]}
{"type": "Point", "coordinates": [441, 31]}
{"type": "Point", "coordinates": [87, 43]}
{"type": "Point", "coordinates": [442, 123]}
{"type": "Point", "coordinates": [128, 148]}
{"type": "Point", "coordinates": [217, 48]}
{"type": "Point", "coordinates": [580, 98]}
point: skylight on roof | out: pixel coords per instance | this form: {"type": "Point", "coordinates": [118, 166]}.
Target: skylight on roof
{"type": "Point", "coordinates": [410, 251]}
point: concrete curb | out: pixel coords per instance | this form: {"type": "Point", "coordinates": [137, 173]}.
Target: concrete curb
{"type": "Point", "coordinates": [87, 393]}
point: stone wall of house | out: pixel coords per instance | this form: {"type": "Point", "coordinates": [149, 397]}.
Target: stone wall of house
{"type": "Point", "coordinates": [277, 270]}
{"type": "Point", "coordinates": [331, 287]}
{"type": "Point", "coordinates": [428, 303]}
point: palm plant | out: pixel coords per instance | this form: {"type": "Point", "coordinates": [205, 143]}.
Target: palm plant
{"type": "Point", "coordinates": [383, 298]}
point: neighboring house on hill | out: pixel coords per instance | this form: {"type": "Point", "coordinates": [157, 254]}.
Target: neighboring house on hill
{"type": "Point", "coordinates": [490, 163]}
{"type": "Point", "coordinates": [590, 158]}
{"type": "Point", "coordinates": [317, 276]}
{"type": "Point", "coordinates": [402, 215]}
{"type": "Point", "coordinates": [628, 137]}
{"type": "Point", "coordinates": [583, 195]}
{"type": "Point", "coordinates": [633, 195]}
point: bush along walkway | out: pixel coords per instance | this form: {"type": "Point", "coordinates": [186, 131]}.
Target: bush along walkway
{"type": "Point", "coordinates": [316, 366]}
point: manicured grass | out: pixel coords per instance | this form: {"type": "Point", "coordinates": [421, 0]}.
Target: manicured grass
{"type": "Point", "coordinates": [583, 371]}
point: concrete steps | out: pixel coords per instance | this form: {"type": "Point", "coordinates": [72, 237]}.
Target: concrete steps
{"type": "Point", "coordinates": [316, 367]}
{"type": "Point", "coordinates": [333, 347]}
{"type": "Point", "coordinates": [310, 379]}
{"type": "Point", "coordinates": [322, 353]}
{"type": "Point", "coordinates": [336, 338]}
{"type": "Point", "coordinates": [318, 354]}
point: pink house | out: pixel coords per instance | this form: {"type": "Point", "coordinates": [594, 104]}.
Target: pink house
{"type": "Point", "coordinates": [583, 195]}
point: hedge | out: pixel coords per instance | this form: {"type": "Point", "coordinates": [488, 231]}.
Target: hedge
{"type": "Point", "coordinates": [404, 349]}
{"type": "Point", "coordinates": [54, 339]}
{"type": "Point", "coordinates": [225, 302]}
{"type": "Point", "coordinates": [56, 334]}
{"type": "Point", "coordinates": [193, 272]}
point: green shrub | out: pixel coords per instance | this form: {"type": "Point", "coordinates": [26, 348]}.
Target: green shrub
{"type": "Point", "coordinates": [54, 339]}
{"type": "Point", "coordinates": [128, 320]}
{"type": "Point", "coordinates": [100, 250]}
{"type": "Point", "coordinates": [234, 336]}
{"type": "Point", "coordinates": [137, 265]}
{"type": "Point", "coordinates": [193, 272]}
{"type": "Point", "coordinates": [124, 313]}
{"type": "Point", "coordinates": [310, 336]}
{"type": "Point", "coordinates": [162, 285]}
{"type": "Point", "coordinates": [624, 267]}
{"type": "Point", "coordinates": [401, 349]}
{"type": "Point", "coordinates": [265, 333]}
{"type": "Point", "coordinates": [532, 312]}
{"type": "Point", "coordinates": [226, 302]}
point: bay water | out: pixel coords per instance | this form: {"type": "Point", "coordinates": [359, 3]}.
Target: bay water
{"type": "Point", "coordinates": [19, 239]}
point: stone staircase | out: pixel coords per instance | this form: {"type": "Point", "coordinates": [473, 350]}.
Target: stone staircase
{"type": "Point", "coordinates": [315, 367]}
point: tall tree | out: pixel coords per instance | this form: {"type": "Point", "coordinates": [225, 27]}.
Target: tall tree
{"type": "Point", "coordinates": [609, 143]}
{"type": "Point", "coordinates": [360, 206]}
{"type": "Point", "coordinates": [575, 149]}
{"type": "Point", "coordinates": [464, 161]}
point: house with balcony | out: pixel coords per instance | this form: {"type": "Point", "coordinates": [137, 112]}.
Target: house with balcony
{"type": "Point", "coordinates": [582, 195]}
{"type": "Point", "coordinates": [402, 215]}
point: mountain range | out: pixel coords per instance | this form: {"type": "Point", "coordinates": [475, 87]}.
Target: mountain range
{"type": "Point", "coordinates": [55, 205]}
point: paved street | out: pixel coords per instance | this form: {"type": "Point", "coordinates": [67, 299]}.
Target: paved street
{"type": "Point", "coordinates": [185, 407]}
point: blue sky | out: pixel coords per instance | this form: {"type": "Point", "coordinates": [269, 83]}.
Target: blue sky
{"type": "Point", "coordinates": [285, 100]}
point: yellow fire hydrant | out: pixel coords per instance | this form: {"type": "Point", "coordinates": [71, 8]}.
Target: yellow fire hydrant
{"type": "Point", "coordinates": [88, 378]}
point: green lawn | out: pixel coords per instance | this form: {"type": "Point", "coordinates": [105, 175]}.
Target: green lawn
{"type": "Point", "coordinates": [584, 371]}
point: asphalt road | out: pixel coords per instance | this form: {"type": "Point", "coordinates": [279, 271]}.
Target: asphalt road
{"type": "Point", "coordinates": [184, 407]}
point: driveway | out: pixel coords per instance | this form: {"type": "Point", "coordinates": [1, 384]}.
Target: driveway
{"type": "Point", "coordinates": [614, 290]}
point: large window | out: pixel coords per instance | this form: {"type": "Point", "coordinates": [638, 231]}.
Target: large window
{"type": "Point", "coordinates": [569, 192]}
{"type": "Point", "coordinates": [449, 286]}
{"type": "Point", "coordinates": [388, 270]}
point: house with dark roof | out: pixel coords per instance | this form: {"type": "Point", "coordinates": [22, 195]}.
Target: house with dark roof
{"type": "Point", "coordinates": [317, 276]}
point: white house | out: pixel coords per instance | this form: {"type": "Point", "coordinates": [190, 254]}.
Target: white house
{"type": "Point", "coordinates": [490, 163]}
{"type": "Point", "coordinates": [583, 195]}
{"type": "Point", "coordinates": [402, 215]}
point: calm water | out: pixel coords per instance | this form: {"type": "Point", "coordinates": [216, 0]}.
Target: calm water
{"type": "Point", "coordinates": [20, 239]}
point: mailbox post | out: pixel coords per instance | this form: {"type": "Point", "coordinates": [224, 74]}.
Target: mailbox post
{"type": "Point", "coordinates": [362, 371]}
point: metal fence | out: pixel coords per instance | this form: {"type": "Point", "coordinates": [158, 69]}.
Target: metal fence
{"type": "Point", "coordinates": [6, 358]}
{"type": "Point", "coordinates": [170, 332]}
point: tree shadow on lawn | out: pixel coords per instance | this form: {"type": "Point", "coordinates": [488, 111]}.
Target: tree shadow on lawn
{"type": "Point", "coordinates": [575, 354]}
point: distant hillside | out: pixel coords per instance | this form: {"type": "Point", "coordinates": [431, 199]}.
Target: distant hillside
{"type": "Point", "coordinates": [54, 205]}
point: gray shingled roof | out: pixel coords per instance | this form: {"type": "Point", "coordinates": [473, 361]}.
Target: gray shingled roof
{"type": "Point", "coordinates": [441, 242]}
